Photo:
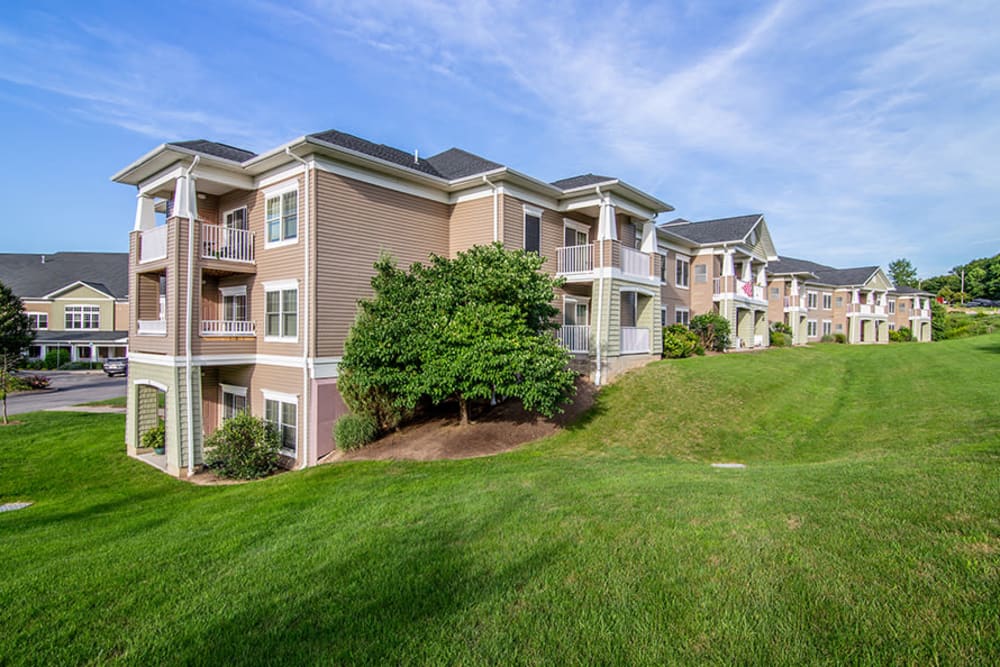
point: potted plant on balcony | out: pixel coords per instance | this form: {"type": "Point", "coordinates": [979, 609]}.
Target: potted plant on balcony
{"type": "Point", "coordinates": [156, 438]}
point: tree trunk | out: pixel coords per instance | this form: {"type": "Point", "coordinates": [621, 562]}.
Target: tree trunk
{"type": "Point", "coordinates": [3, 385]}
{"type": "Point", "coordinates": [463, 411]}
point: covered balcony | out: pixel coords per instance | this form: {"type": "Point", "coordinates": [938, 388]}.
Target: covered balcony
{"type": "Point", "coordinates": [731, 287]}
{"type": "Point", "coordinates": [579, 263]}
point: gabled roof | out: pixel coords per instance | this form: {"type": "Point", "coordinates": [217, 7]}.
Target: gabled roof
{"type": "Point", "coordinates": [99, 287]}
{"type": "Point", "coordinates": [380, 151]}
{"type": "Point", "coordinates": [790, 265]}
{"type": "Point", "coordinates": [29, 278]}
{"type": "Point", "coordinates": [846, 277]}
{"type": "Point", "coordinates": [906, 289]}
{"type": "Point", "coordinates": [720, 230]}
{"type": "Point", "coordinates": [455, 163]}
{"type": "Point", "coordinates": [214, 148]}
{"type": "Point", "coordinates": [582, 180]}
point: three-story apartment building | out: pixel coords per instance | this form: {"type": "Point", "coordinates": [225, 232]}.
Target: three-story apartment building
{"type": "Point", "coordinates": [246, 270]}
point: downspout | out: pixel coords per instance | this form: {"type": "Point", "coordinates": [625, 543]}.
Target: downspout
{"type": "Point", "coordinates": [600, 288]}
{"type": "Point", "coordinates": [188, 315]}
{"type": "Point", "coordinates": [306, 413]}
{"type": "Point", "coordinates": [496, 214]}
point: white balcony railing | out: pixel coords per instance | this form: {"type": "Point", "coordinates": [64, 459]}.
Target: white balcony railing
{"type": "Point", "coordinates": [758, 340]}
{"type": "Point", "coordinates": [227, 328]}
{"type": "Point", "coordinates": [795, 302]}
{"type": "Point", "coordinates": [921, 314]}
{"type": "Point", "coordinates": [575, 258]}
{"type": "Point", "coordinates": [635, 263]}
{"type": "Point", "coordinates": [574, 337]}
{"type": "Point", "coordinates": [749, 290]}
{"type": "Point", "coordinates": [152, 327]}
{"type": "Point", "coordinates": [866, 309]}
{"type": "Point", "coordinates": [153, 244]}
{"type": "Point", "coordinates": [634, 339]}
{"type": "Point", "coordinates": [234, 245]}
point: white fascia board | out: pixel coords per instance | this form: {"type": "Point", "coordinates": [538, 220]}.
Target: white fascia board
{"type": "Point", "coordinates": [283, 173]}
{"type": "Point", "coordinates": [78, 283]}
{"type": "Point", "coordinates": [366, 160]}
{"type": "Point", "coordinates": [208, 172]}
{"type": "Point", "coordinates": [382, 180]}
{"type": "Point", "coordinates": [324, 367]}
{"type": "Point", "coordinates": [161, 180]}
{"type": "Point", "coordinates": [528, 197]}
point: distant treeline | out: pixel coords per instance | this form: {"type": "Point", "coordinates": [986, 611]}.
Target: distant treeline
{"type": "Point", "coordinates": [982, 280]}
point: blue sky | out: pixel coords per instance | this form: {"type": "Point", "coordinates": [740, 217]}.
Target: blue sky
{"type": "Point", "coordinates": [864, 131]}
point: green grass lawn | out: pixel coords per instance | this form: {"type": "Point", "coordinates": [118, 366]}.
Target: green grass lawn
{"type": "Point", "coordinates": [865, 529]}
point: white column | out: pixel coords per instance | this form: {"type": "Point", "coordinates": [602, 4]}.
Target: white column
{"type": "Point", "coordinates": [648, 237]}
{"type": "Point", "coordinates": [145, 214]}
{"type": "Point", "coordinates": [606, 227]}
{"type": "Point", "coordinates": [728, 268]}
{"type": "Point", "coordinates": [795, 286]}
{"type": "Point", "coordinates": [761, 275]}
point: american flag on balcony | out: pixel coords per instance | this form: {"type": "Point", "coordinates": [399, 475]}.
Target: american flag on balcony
{"type": "Point", "coordinates": [748, 289]}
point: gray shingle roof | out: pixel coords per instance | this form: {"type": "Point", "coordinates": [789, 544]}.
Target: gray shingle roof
{"type": "Point", "coordinates": [791, 265]}
{"type": "Point", "coordinates": [714, 231]}
{"type": "Point", "coordinates": [456, 163]}
{"type": "Point", "coordinates": [29, 278]}
{"type": "Point", "coordinates": [906, 289]}
{"type": "Point", "coordinates": [82, 336]}
{"type": "Point", "coordinates": [853, 276]}
{"type": "Point", "coordinates": [381, 151]}
{"type": "Point", "coordinates": [215, 149]}
{"type": "Point", "coordinates": [581, 181]}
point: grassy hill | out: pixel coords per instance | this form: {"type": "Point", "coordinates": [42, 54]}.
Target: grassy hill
{"type": "Point", "coordinates": [864, 529]}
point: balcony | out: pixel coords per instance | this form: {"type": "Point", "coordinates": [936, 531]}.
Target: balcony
{"type": "Point", "coordinates": [634, 340]}
{"type": "Point", "coordinates": [795, 303]}
{"type": "Point", "coordinates": [226, 243]}
{"type": "Point", "coordinates": [574, 337]}
{"type": "Point", "coordinates": [920, 314]}
{"type": "Point", "coordinates": [872, 309]}
{"type": "Point", "coordinates": [228, 328]}
{"type": "Point", "coordinates": [731, 287]}
{"type": "Point", "coordinates": [153, 244]}
{"type": "Point", "coordinates": [152, 327]}
{"type": "Point", "coordinates": [579, 262]}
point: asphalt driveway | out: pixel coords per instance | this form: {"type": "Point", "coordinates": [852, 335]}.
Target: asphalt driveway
{"type": "Point", "coordinates": [68, 388]}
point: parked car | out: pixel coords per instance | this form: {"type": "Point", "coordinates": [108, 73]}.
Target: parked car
{"type": "Point", "coordinates": [116, 366]}
{"type": "Point", "coordinates": [983, 303]}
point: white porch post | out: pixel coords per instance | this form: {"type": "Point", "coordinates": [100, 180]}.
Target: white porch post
{"type": "Point", "coordinates": [606, 227]}
{"type": "Point", "coordinates": [145, 215]}
{"type": "Point", "coordinates": [728, 267]}
{"type": "Point", "coordinates": [648, 238]}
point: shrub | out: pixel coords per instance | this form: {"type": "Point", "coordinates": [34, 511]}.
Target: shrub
{"type": "Point", "coordinates": [34, 364]}
{"type": "Point", "coordinates": [79, 366]}
{"type": "Point", "coordinates": [905, 335]}
{"type": "Point", "coordinates": [779, 339]}
{"type": "Point", "coordinates": [354, 430]}
{"type": "Point", "coordinates": [680, 342]}
{"type": "Point", "coordinates": [30, 382]}
{"type": "Point", "coordinates": [839, 338]}
{"type": "Point", "coordinates": [827, 338]}
{"type": "Point", "coordinates": [712, 330]}
{"type": "Point", "coordinates": [244, 447]}
{"type": "Point", "coordinates": [781, 327]}
{"type": "Point", "coordinates": [155, 437]}
{"type": "Point", "coordinates": [56, 358]}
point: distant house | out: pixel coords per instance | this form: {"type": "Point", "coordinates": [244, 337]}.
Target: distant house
{"type": "Point", "coordinates": [77, 301]}
{"type": "Point", "coordinates": [910, 307]}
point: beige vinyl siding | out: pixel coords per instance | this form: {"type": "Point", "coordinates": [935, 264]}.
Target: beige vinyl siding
{"type": "Point", "coordinates": [121, 316]}
{"type": "Point", "coordinates": [471, 224]}
{"type": "Point", "coordinates": [356, 222]}
{"type": "Point", "coordinates": [512, 220]}
{"type": "Point", "coordinates": [701, 293]}
{"type": "Point", "coordinates": [776, 306]}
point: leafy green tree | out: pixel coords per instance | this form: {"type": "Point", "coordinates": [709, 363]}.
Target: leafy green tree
{"type": "Point", "coordinates": [15, 335]}
{"type": "Point", "coordinates": [903, 273]}
{"type": "Point", "coordinates": [466, 328]}
{"type": "Point", "coordinates": [713, 330]}
{"type": "Point", "coordinates": [939, 325]}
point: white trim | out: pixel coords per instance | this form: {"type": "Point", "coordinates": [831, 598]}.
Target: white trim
{"type": "Point", "coordinates": [151, 383]}
{"type": "Point", "coordinates": [171, 361]}
{"type": "Point", "coordinates": [682, 259]}
{"type": "Point", "coordinates": [324, 367]}
{"type": "Point", "coordinates": [577, 299]}
{"type": "Point", "coordinates": [815, 324]}
{"type": "Point", "coordinates": [383, 181]}
{"type": "Point", "coordinates": [824, 325]}
{"type": "Point", "coordinates": [79, 283]}
{"type": "Point", "coordinates": [281, 189]}
{"type": "Point", "coordinates": [636, 289]}
{"type": "Point", "coordinates": [29, 313]}
{"type": "Point", "coordinates": [235, 290]}
{"type": "Point", "coordinates": [265, 182]}
{"type": "Point", "coordinates": [291, 399]}
{"type": "Point", "coordinates": [233, 389]}
{"type": "Point", "coordinates": [533, 210]}
{"type": "Point", "coordinates": [278, 192]}
{"type": "Point", "coordinates": [578, 226]}
{"type": "Point", "coordinates": [276, 285]}
{"type": "Point", "coordinates": [271, 395]}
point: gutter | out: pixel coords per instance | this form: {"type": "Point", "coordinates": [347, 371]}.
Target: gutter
{"type": "Point", "coordinates": [305, 311]}
{"type": "Point", "coordinates": [188, 314]}
{"type": "Point", "coordinates": [600, 296]}
{"type": "Point", "coordinates": [496, 214]}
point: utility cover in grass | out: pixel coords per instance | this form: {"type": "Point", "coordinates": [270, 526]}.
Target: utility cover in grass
{"type": "Point", "coordinates": [729, 465]}
{"type": "Point", "coordinates": [10, 507]}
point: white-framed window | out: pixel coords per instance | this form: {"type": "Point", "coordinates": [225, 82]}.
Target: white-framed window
{"type": "Point", "coordinates": [811, 299]}
{"type": "Point", "coordinates": [575, 312]}
{"type": "Point", "coordinates": [532, 229]}
{"type": "Point", "coordinates": [38, 320]}
{"type": "Point", "coordinates": [840, 302]}
{"type": "Point", "coordinates": [902, 305]}
{"type": "Point", "coordinates": [83, 317]}
{"type": "Point", "coordinates": [682, 316]}
{"type": "Point", "coordinates": [700, 273]}
{"type": "Point", "coordinates": [827, 301]}
{"type": "Point", "coordinates": [892, 306]}
{"type": "Point", "coordinates": [281, 311]}
{"type": "Point", "coordinates": [892, 326]}
{"type": "Point", "coordinates": [682, 271]}
{"type": "Point", "coordinates": [234, 401]}
{"type": "Point", "coordinates": [775, 293]}
{"type": "Point", "coordinates": [811, 328]}
{"type": "Point", "coordinates": [574, 233]}
{"type": "Point", "coordinates": [82, 352]}
{"type": "Point", "coordinates": [827, 327]}
{"type": "Point", "coordinates": [234, 303]}
{"type": "Point", "coordinates": [282, 411]}
{"type": "Point", "coordinates": [236, 219]}
{"type": "Point", "coordinates": [34, 351]}
{"type": "Point", "coordinates": [840, 328]}
{"type": "Point", "coordinates": [281, 216]}
{"type": "Point", "coordinates": [663, 316]}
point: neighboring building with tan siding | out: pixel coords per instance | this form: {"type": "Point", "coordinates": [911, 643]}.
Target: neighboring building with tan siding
{"type": "Point", "coordinates": [910, 307]}
{"type": "Point", "coordinates": [77, 301]}
{"type": "Point", "coordinates": [246, 271]}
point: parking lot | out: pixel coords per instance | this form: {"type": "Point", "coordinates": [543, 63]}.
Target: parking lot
{"type": "Point", "coordinates": [68, 388]}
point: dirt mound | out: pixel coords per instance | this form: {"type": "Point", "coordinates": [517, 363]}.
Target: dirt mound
{"type": "Point", "coordinates": [495, 430]}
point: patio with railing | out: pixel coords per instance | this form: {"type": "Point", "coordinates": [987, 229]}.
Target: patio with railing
{"type": "Point", "coordinates": [634, 340]}
{"type": "Point", "coordinates": [574, 337]}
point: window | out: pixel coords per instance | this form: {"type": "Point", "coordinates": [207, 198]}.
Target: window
{"type": "Point", "coordinates": [700, 273]}
{"type": "Point", "coordinates": [38, 320]}
{"type": "Point", "coordinates": [811, 328]}
{"type": "Point", "coordinates": [663, 268]}
{"type": "Point", "coordinates": [281, 217]}
{"type": "Point", "coordinates": [532, 229]}
{"type": "Point", "coordinates": [683, 271]}
{"type": "Point", "coordinates": [892, 326]}
{"type": "Point", "coordinates": [840, 302]}
{"type": "Point", "coordinates": [34, 351]}
{"type": "Point", "coordinates": [892, 307]}
{"type": "Point", "coordinates": [237, 219]}
{"type": "Point", "coordinates": [234, 303]}
{"type": "Point", "coordinates": [628, 309]}
{"type": "Point", "coordinates": [663, 316]}
{"type": "Point", "coordinates": [810, 299]}
{"type": "Point", "coordinates": [281, 310]}
{"type": "Point", "coordinates": [902, 305]}
{"type": "Point", "coordinates": [575, 313]}
{"type": "Point", "coordinates": [234, 401]}
{"type": "Point", "coordinates": [827, 327]}
{"type": "Point", "coordinates": [827, 301]}
{"type": "Point", "coordinates": [775, 293]}
{"type": "Point", "coordinates": [82, 352]}
{"type": "Point", "coordinates": [575, 233]}
{"type": "Point", "coordinates": [83, 317]}
{"type": "Point", "coordinates": [682, 316]}
{"type": "Point", "coordinates": [840, 328]}
{"type": "Point", "coordinates": [281, 410]}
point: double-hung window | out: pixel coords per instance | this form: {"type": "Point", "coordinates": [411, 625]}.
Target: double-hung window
{"type": "Point", "coordinates": [281, 311]}
{"type": "Point", "coordinates": [811, 328]}
{"type": "Point", "coordinates": [83, 317]}
{"type": "Point", "coordinates": [701, 273]}
{"type": "Point", "coordinates": [38, 320]}
{"type": "Point", "coordinates": [682, 316]}
{"type": "Point", "coordinates": [281, 217]}
{"type": "Point", "coordinates": [532, 229]}
{"type": "Point", "coordinates": [234, 303]}
{"type": "Point", "coordinates": [892, 307]}
{"type": "Point", "coordinates": [811, 299]}
{"type": "Point", "coordinates": [682, 273]}
{"type": "Point", "coordinates": [827, 327]}
{"type": "Point", "coordinates": [234, 401]}
{"type": "Point", "coordinates": [281, 410]}
{"type": "Point", "coordinates": [827, 301]}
